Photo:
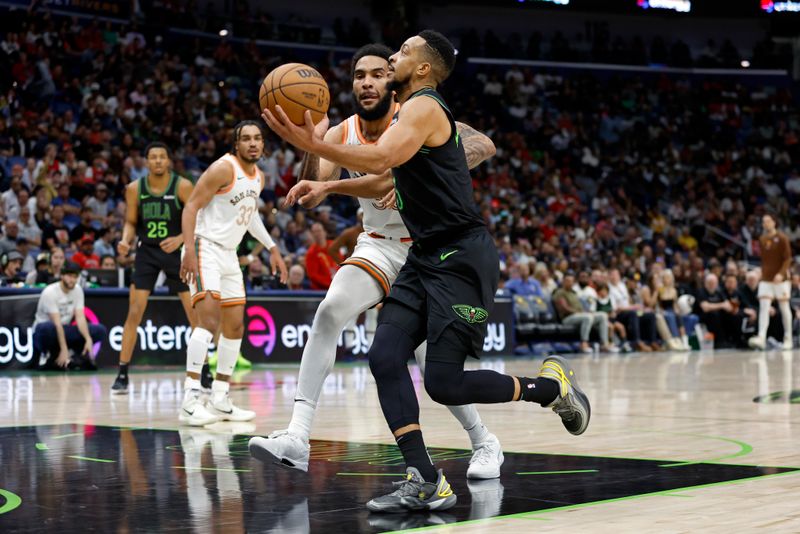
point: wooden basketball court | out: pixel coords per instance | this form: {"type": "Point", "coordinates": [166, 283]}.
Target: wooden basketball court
{"type": "Point", "coordinates": [676, 444]}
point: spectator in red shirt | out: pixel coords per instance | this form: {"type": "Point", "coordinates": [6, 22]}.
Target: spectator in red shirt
{"type": "Point", "coordinates": [85, 257]}
{"type": "Point", "coordinates": [319, 263]}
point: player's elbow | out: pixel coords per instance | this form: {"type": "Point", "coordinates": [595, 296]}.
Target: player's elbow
{"type": "Point", "coordinates": [490, 149]}
{"type": "Point", "coordinates": [379, 166]}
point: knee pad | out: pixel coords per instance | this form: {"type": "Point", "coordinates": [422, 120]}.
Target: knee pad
{"type": "Point", "coordinates": [390, 348]}
{"type": "Point", "coordinates": [442, 381]}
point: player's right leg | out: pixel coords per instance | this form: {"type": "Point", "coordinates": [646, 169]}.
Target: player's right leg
{"type": "Point", "coordinates": [146, 269]}
{"type": "Point", "coordinates": [137, 304]}
{"type": "Point", "coordinates": [766, 293]}
{"type": "Point", "coordinates": [205, 298]}
{"type": "Point", "coordinates": [487, 454]}
{"type": "Point", "coordinates": [352, 291]}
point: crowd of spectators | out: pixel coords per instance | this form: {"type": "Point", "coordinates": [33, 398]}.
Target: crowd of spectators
{"type": "Point", "coordinates": [621, 178]}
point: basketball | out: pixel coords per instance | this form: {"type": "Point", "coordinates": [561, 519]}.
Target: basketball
{"type": "Point", "coordinates": [296, 88]}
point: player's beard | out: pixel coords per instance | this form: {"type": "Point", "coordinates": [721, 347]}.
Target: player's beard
{"type": "Point", "coordinates": [378, 111]}
{"type": "Point", "coordinates": [248, 159]}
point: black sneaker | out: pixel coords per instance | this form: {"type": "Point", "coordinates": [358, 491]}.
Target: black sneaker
{"type": "Point", "coordinates": [414, 494]}
{"type": "Point", "coordinates": [571, 405]}
{"type": "Point", "coordinates": [120, 386]}
{"type": "Point", "coordinates": [206, 378]}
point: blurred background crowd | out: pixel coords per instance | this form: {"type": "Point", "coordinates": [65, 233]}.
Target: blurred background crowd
{"type": "Point", "coordinates": [627, 188]}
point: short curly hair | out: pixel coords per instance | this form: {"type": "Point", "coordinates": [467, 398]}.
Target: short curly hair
{"type": "Point", "coordinates": [441, 53]}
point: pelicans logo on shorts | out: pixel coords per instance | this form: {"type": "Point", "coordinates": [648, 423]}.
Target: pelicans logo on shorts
{"type": "Point", "coordinates": [471, 314]}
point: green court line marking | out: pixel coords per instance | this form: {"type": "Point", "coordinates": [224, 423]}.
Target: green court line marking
{"type": "Point", "coordinates": [371, 474]}
{"type": "Point", "coordinates": [93, 459]}
{"type": "Point", "coordinates": [662, 460]}
{"type": "Point", "coordinates": [558, 472]}
{"type": "Point", "coordinates": [42, 447]}
{"type": "Point", "coordinates": [528, 515]}
{"type": "Point", "coordinates": [72, 435]}
{"type": "Point", "coordinates": [744, 448]}
{"type": "Point", "coordinates": [12, 501]}
{"type": "Point", "coordinates": [210, 469]}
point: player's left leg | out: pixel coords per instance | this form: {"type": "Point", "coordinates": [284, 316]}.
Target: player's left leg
{"type": "Point", "coordinates": [487, 454]}
{"type": "Point", "coordinates": [206, 378]}
{"type": "Point", "coordinates": [783, 292]}
{"type": "Point", "coordinates": [137, 304]}
{"type": "Point", "coordinates": [230, 341]}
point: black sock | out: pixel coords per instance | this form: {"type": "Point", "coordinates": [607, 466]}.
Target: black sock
{"type": "Point", "coordinates": [123, 370]}
{"type": "Point", "coordinates": [541, 390]}
{"type": "Point", "coordinates": [416, 455]}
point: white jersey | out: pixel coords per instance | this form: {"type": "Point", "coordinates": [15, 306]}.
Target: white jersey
{"type": "Point", "coordinates": [224, 220]}
{"type": "Point", "coordinates": [377, 220]}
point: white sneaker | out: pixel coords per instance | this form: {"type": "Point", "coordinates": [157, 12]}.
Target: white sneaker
{"type": "Point", "coordinates": [486, 459]}
{"type": "Point", "coordinates": [193, 410]}
{"type": "Point", "coordinates": [788, 344]}
{"type": "Point", "coordinates": [281, 447]}
{"type": "Point", "coordinates": [757, 343]}
{"type": "Point", "coordinates": [221, 406]}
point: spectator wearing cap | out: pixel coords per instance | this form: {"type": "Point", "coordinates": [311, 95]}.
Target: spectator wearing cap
{"type": "Point", "coordinates": [50, 272]}
{"type": "Point", "coordinates": [10, 236]}
{"type": "Point", "coordinates": [40, 272]}
{"type": "Point", "coordinates": [10, 268]}
{"type": "Point", "coordinates": [54, 335]}
{"type": "Point", "coordinates": [72, 208]}
{"type": "Point", "coordinates": [84, 228]}
{"type": "Point", "coordinates": [28, 229]}
{"type": "Point", "coordinates": [85, 257]}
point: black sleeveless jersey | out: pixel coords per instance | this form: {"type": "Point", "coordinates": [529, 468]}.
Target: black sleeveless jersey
{"type": "Point", "coordinates": [434, 190]}
{"type": "Point", "coordinates": [159, 215]}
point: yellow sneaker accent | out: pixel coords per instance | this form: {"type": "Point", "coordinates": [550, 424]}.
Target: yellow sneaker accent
{"type": "Point", "coordinates": [444, 488]}
{"type": "Point", "coordinates": [554, 371]}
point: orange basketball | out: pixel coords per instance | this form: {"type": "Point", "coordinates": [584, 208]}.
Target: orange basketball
{"type": "Point", "coordinates": [296, 88]}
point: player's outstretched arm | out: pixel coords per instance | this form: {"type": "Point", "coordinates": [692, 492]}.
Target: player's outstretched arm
{"type": "Point", "coordinates": [421, 121]}
{"type": "Point", "coordinates": [310, 194]}
{"type": "Point", "coordinates": [217, 176]}
{"type": "Point", "coordinates": [477, 146]}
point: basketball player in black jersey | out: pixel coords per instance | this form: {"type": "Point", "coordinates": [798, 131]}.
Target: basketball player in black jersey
{"type": "Point", "coordinates": [445, 291]}
{"type": "Point", "coordinates": [153, 216]}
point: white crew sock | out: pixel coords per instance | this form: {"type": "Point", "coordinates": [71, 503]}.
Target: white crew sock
{"type": "Point", "coordinates": [302, 417]}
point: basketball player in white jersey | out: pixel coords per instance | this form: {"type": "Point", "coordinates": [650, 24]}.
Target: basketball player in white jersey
{"type": "Point", "coordinates": [366, 276]}
{"type": "Point", "coordinates": [222, 207]}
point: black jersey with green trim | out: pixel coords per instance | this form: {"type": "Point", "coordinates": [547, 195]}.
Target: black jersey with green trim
{"type": "Point", "coordinates": [159, 215]}
{"type": "Point", "coordinates": [434, 189]}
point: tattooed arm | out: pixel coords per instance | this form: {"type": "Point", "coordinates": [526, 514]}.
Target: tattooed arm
{"type": "Point", "coordinates": [477, 146]}
{"type": "Point", "coordinates": [315, 168]}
